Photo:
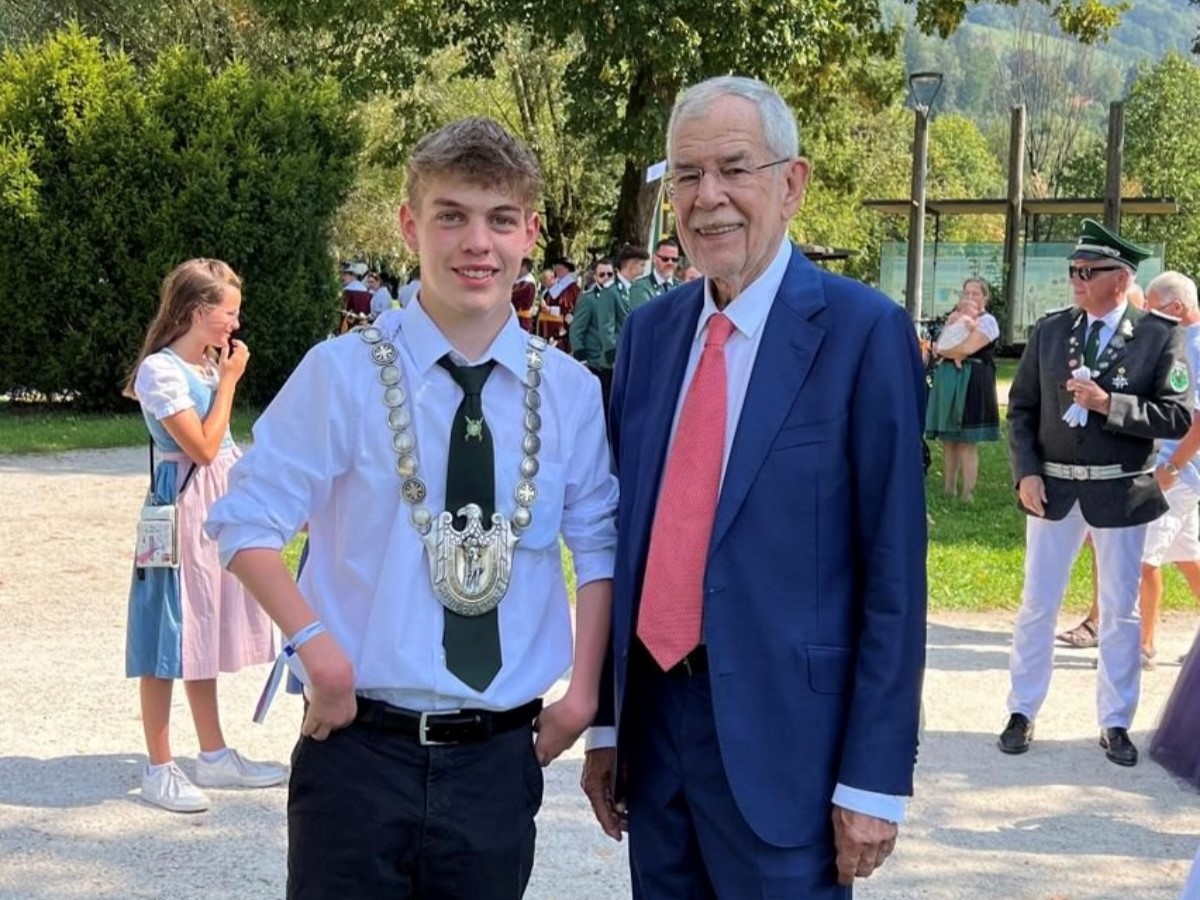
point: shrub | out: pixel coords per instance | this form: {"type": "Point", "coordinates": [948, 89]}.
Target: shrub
{"type": "Point", "coordinates": [110, 176]}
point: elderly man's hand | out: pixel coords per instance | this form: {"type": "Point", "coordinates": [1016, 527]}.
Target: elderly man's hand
{"type": "Point", "coordinates": [1089, 395]}
{"type": "Point", "coordinates": [597, 780]}
{"type": "Point", "coordinates": [1032, 491]}
{"type": "Point", "coordinates": [863, 843]}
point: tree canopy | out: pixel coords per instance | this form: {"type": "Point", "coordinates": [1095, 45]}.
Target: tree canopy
{"type": "Point", "coordinates": [635, 58]}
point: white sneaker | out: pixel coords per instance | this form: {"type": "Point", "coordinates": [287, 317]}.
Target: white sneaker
{"type": "Point", "coordinates": [234, 770]}
{"type": "Point", "coordinates": [168, 787]}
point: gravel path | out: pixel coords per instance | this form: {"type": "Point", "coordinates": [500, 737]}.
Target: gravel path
{"type": "Point", "coordinates": [1060, 822]}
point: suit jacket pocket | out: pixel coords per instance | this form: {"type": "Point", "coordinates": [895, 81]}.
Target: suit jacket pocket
{"type": "Point", "coordinates": [830, 669]}
{"type": "Point", "coordinates": [803, 433]}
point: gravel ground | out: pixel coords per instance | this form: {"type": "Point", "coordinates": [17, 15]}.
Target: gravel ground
{"type": "Point", "coordinates": [1060, 822]}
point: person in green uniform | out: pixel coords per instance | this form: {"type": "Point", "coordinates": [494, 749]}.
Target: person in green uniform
{"type": "Point", "coordinates": [662, 276]}
{"type": "Point", "coordinates": [599, 316]}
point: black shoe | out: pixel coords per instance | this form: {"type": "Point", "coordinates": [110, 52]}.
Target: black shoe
{"type": "Point", "coordinates": [1118, 747]}
{"type": "Point", "coordinates": [1017, 734]}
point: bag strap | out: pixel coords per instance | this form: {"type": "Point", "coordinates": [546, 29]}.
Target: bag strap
{"type": "Point", "coordinates": [187, 479]}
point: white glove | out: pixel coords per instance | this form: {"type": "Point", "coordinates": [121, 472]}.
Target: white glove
{"type": "Point", "coordinates": [1076, 416]}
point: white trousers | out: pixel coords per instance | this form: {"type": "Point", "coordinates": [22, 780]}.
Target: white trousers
{"type": "Point", "coordinates": [1191, 890]}
{"type": "Point", "coordinates": [1050, 551]}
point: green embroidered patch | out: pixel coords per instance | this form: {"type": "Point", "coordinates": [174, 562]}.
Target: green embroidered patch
{"type": "Point", "coordinates": [1178, 379]}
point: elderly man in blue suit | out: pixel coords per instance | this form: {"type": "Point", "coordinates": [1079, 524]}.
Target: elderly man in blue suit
{"type": "Point", "coordinates": [769, 595]}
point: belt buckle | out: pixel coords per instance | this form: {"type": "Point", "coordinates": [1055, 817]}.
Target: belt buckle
{"type": "Point", "coordinates": [423, 732]}
{"type": "Point", "coordinates": [1079, 473]}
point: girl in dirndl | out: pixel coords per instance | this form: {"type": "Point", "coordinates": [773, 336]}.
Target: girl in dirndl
{"type": "Point", "coordinates": [196, 620]}
{"type": "Point", "coordinates": [962, 409]}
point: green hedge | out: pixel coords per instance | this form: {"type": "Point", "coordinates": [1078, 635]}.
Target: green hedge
{"type": "Point", "coordinates": [111, 175]}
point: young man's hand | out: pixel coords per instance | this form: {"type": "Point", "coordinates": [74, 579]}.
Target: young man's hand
{"type": "Point", "coordinates": [331, 702]}
{"type": "Point", "coordinates": [560, 725]}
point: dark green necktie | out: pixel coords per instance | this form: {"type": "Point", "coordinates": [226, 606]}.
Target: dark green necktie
{"type": "Point", "coordinates": [472, 643]}
{"type": "Point", "coordinates": [1091, 349]}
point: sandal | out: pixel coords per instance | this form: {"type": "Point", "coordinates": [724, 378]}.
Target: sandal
{"type": "Point", "coordinates": [1082, 637]}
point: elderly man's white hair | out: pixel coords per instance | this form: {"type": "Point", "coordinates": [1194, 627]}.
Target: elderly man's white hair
{"type": "Point", "coordinates": [1171, 286]}
{"type": "Point", "coordinates": [778, 123]}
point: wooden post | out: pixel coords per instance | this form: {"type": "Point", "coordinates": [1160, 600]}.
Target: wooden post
{"type": "Point", "coordinates": [1112, 172]}
{"type": "Point", "coordinates": [1013, 217]}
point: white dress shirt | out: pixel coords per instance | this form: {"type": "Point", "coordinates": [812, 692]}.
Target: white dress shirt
{"type": "Point", "coordinates": [748, 313]}
{"type": "Point", "coordinates": [322, 454]}
{"type": "Point", "coordinates": [1111, 320]}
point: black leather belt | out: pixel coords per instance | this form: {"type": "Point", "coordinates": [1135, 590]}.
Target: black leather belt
{"type": "Point", "coordinates": [695, 663]}
{"type": "Point", "coordinates": [432, 729]}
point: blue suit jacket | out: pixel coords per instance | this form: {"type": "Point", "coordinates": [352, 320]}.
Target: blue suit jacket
{"type": "Point", "coordinates": [814, 589]}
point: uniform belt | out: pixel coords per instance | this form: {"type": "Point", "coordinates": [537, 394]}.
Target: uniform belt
{"type": "Point", "coordinates": [431, 729]}
{"type": "Point", "coordinates": [695, 663]}
{"type": "Point", "coordinates": [1088, 473]}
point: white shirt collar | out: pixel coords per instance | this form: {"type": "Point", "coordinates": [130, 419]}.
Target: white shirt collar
{"type": "Point", "coordinates": [1112, 318]}
{"type": "Point", "coordinates": [748, 310]}
{"type": "Point", "coordinates": [561, 285]}
{"type": "Point", "coordinates": [427, 344]}
{"type": "Point", "coordinates": [623, 280]}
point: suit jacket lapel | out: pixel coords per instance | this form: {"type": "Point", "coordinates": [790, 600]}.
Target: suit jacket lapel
{"type": "Point", "coordinates": [785, 356]}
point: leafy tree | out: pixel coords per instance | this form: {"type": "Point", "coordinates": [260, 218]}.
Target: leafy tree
{"type": "Point", "coordinates": [222, 31]}
{"type": "Point", "coordinates": [637, 57]}
{"type": "Point", "coordinates": [526, 93]}
{"type": "Point", "coordinates": [1162, 155]}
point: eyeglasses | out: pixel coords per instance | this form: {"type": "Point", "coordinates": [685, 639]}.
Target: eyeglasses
{"type": "Point", "coordinates": [603, 276]}
{"type": "Point", "coordinates": [673, 260]}
{"type": "Point", "coordinates": [686, 180]}
{"type": "Point", "coordinates": [1087, 273]}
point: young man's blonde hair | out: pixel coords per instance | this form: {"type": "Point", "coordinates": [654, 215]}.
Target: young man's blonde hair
{"type": "Point", "coordinates": [481, 152]}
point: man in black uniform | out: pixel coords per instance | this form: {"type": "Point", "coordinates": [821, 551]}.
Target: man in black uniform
{"type": "Point", "coordinates": [1098, 383]}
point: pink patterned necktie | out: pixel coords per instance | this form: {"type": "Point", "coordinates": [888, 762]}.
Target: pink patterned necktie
{"type": "Point", "coordinates": [671, 610]}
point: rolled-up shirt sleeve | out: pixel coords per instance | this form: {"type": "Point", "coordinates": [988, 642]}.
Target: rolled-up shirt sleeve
{"type": "Point", "coordinates": [300, 445]}
{"type": "Point", "coordinates": [590, 498]}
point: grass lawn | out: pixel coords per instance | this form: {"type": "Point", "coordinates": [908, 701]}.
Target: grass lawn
{"type": "Point", "coordinates": [40, 429]}
{"type": "Point", "coordinates": [976, 551]}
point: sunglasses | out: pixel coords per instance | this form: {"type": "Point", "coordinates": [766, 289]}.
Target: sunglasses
{"type": "Point", "coordinates": [667, 259]}
{"type": "Point", "coordinates": [604, 275]}
{"type": "Point", "coordinates": [1087, 273]}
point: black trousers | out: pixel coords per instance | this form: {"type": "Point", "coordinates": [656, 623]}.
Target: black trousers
{"type": "Point", "coordinates": [372, 814]}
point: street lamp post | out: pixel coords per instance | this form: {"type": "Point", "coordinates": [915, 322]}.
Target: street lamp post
{"type": "Point", "coordinates": [923, 87]}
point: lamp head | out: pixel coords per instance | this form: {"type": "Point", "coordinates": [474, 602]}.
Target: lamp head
{"type": "Point", "coordinates": [923, 89]}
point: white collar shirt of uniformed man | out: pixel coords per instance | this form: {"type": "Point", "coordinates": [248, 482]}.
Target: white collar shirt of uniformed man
{"type": "Point", "coordinates": [658, 277]}
{"type": "Point", "coordinates": [748, 312]}
{"type": "Point", "coordinates": [367, 577]}
{"type": "Point", "coordinates": [1111, 320]}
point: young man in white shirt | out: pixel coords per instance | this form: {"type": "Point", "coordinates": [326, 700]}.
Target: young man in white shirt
{"type": "Point", "coordinates": [417, 772]}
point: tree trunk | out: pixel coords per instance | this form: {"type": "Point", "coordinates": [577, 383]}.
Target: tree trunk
{"type": "Point", "coordinates": [552, 228]}
{"type": "Point", "coordinates": [635, 206]}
